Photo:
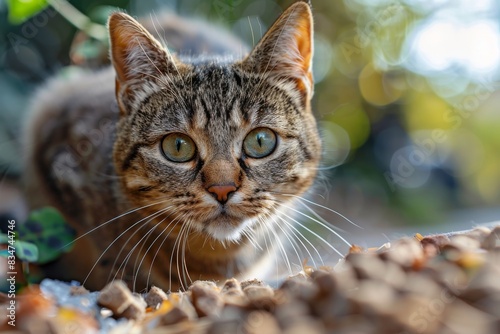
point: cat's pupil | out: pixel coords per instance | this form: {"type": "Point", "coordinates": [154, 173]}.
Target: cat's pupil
{"type": "Point", "coordinates": [259, 139]}
{"type": "Point", "coordinates": [178, 143]}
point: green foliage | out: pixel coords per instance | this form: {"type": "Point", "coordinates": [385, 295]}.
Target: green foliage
{"type": "Point", "coordinates": [100, 14]}
{"type": "Point", "coordinates": [41, 239]}
{"type": "Point", "coordinates": [48, 230]}
{"type": "Point", "coordinates": [21, 10]}
{"type": "Point", "coordinates": [23, 250]}
{"type": "Point", "coordinates": [26, 251]}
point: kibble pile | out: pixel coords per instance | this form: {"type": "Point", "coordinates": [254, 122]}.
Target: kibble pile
{"type": "Point", "coordinates": [435, 284]}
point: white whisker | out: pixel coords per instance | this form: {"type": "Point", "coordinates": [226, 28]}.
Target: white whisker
{"type": "Point", "coordinates": [151, 217]}
{"type": "Point", "coordinates": [111, 244]}
{"type": "Point", "coordinates": [113, 219]}
{"type": "Point", "coordinates": [316, 234]}
{"type": "Point", "coordinates": [151, 245]}
{"type": "Point", "coordinates": [323, 207]}
{"type": "Point", "coordinates": [298, 235]}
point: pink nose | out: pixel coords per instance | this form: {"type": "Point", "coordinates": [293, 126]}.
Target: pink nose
{"type": "Point", "coordinates": [222, 192]}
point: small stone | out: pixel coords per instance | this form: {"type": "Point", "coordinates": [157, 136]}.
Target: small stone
{"type": "Point", "coordinates": [433, 244]}
{"type": "Point", "coordinates": [448, 274]}
{"type": "Point", "coordinates": [254, 281]}
{"type": "Point", "coordinates": [407, 252]}
{"type": "Point", "coordinates": [438, 240]}
{"type": "Point", "coordinates": [489, 304]}
{"type": "Point", "coordinates": [492, 241]}
{"type": "Point", "coordinates": [288, 314]}
{"type": "Point", "coordinates": [297, 288]}
{"type": "Point", "coordinates": [231, 312]}
{"type": "Point", "coordinates": [374, 295]}
{"type": "Point", "coordinates": [300, 276]}
{"type": "Point", "coordinates": [462, 318]}
{"type": "Point", "coordinates": [366, 265]}
{"type": "Point", "coordinates": [349, 324]}
{"type": "Point", "coordinates": [78, 290]}
{"type": "Point", "coordinates": [484, 283]}
{"type": "Point", "coordinates": [205, 284]}
{"type": "Point", "coordinates": [206, 299]}
{"type": "Point", "coordinates": [117, 297]}
{"type": "Point", "coordinates": [394, 275]}
{"type": "Point", "coordinates": [254, 292]}
{"type": "Point", "coordinates": [307, 325]}
{"type": "Point", "coordinates": [330, 302]}
{"type": "Point", "coordinates": [345, 276]}
{"type": "Point", "coordinates": [260, 297]}
{"type": "Point", "coordinates": [421, 285]}
{"type": "Point", "coordinates": [174, 316]}
{"type": "Point", "coordinates": [479, 233]}
{"type": "Point", "coordinates": [184, 303]}
{"type": "Point", "coordinates": [420, 314]}
{"type": "Point", "coordinates": [259, 322]}
{"type": "Point", "coordinates": [464, 243]}
{"type": "Point", "coordinates": [155, 297]}
{"type": "Point", "coordinates": [232, 288]}
{"type": "Point", "coordinates": [470, 260]}
{"type": "Point", "coordinates": [325, 282]}
{"type": "Point", "coordinates": [224, 327]}
{"type": "Point", "coordinates": [229, 321]}
{"type": "Point", "coordinates": [355, 249]}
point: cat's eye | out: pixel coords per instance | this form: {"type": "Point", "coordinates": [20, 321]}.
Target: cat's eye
{"type": "Point", "coordinates": [259, 143]}
{"type": "Point", "coordinates": [178, 147]}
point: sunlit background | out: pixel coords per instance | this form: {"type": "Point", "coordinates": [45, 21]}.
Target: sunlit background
{"type": "Point", "coordinates": [406, 96]}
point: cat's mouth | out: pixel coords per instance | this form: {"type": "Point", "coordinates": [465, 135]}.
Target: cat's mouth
{"type": "Point", "coordinates": [226, 226]}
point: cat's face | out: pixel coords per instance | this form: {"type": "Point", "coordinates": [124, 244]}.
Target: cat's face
{"type": "Point", "coordinates": [220, 144]}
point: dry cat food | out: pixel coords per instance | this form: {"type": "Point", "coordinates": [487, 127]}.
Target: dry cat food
{"type": "Point", "coordinates": [434, 284]}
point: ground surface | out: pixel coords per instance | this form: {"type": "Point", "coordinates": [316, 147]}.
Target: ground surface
{"type": "Point", "coordinates": [434, 284]}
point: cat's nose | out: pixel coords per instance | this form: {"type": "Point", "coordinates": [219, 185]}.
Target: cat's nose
{"type": "Point", "coordinates": [222, 192]}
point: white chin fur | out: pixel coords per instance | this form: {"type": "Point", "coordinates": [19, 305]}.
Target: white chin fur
{"type": "Point", "coordinates": [228, 233]}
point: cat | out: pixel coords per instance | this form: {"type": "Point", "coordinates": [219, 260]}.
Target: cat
{"type": "Point", "coordinates": [176, 168]}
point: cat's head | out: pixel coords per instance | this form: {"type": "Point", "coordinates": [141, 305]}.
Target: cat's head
{"type": "Point", "coordinates": [219, 143]}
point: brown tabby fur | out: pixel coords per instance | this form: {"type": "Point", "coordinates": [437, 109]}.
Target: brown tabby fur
{"type": "Point", "coordinates": [94, 153]}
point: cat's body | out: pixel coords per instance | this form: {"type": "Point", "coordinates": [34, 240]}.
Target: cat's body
{"type": "Point", "coordinates": [207, 147]}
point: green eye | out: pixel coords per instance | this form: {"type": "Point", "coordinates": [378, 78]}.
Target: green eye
{"type": "Point", "coordinates": [178, 147]}
{"type": "Point", "coordinates": [259, 143]}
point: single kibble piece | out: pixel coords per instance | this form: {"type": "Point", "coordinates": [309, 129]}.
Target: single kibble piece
{"type": "Point", "coordinates": [206, 299]}
{"type": "Point", "coordinates": [232, 286]}
{"type": "Point", "coordinates": [174, 316]}
{"type": "Point", "coordinates": [155, 297]}
{"type": "Point", "coordinates": [249, 282]}
{"type": "Point", "coordinates": [78, 290]}
{"type": "Point", "coordinates": [117, 297]}
{"type": "Point", "coordinates": [492, 241]}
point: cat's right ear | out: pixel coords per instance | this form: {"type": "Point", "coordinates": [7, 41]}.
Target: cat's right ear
{"type": "Point", "coordinates": [137, 57]}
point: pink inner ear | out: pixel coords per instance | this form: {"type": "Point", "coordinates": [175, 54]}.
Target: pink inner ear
{"type": "Point", "coordinates": [121, 28]}
{"type": "Point", "coordinates": [304, 43]}
{"type": "Point", "coordinates": [286, 50]}
{"type": "Point", "coordinates": [303, 38]}
{"type": "Point", "coordinates": [135, 52]}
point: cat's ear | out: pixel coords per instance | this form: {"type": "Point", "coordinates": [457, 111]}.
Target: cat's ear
{"type": "Point", "coordinates": [286, 50]}
{"type": "Point", "coordinates": [137, 57]}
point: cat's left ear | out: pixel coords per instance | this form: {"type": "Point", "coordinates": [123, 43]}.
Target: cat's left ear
{"type": "Point", "coordinates": [137, 57]}
{"type": "Point", "coordinates": [286, 50]}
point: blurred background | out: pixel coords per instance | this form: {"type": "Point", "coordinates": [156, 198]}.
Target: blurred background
{"type": "Point", "coordinates": [406, 97]}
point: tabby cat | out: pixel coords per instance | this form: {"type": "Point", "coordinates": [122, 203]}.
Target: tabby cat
{"type": "Point", "coordinates": [175, 168]}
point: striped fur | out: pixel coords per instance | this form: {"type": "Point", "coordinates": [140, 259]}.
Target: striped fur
{"type": "Point", "coordinates": [216, 101]}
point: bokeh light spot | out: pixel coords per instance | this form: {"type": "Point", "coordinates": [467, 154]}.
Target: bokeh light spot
{"type": "Point", "coordinates": [354, 121]}
{"type": "Point", "coordinates": [375, 89]}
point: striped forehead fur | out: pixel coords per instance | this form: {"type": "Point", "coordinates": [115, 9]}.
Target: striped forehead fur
{"type": "Point", "coordinates": [217, 102]}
